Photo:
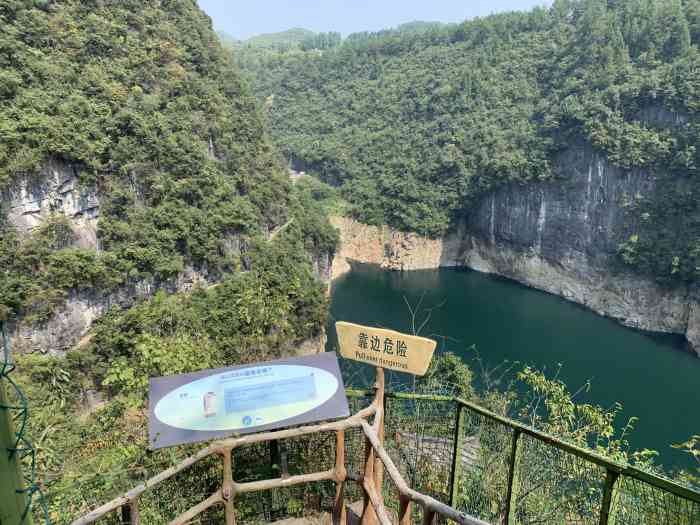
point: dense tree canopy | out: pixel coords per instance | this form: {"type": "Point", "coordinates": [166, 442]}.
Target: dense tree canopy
{"type": "Point", "coordinates": [139, 98]}
{"type": "Point", "coordinates": [415, 124]}
{"type": "Point", "coordinates": [142, 100]}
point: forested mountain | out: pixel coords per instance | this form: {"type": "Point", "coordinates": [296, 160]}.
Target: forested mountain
{"type": "Point", "coordinates": [284, 39]}
{"type": "Point", "coordinates": [415, 126]}
{"type": "Point", "coordinates": [226, 38]}
{"type": "Point", "coordinates": [296, 38]}
{"type": "Point", "coordinates": [136, 104]}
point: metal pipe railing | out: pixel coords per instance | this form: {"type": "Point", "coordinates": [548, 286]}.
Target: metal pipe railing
{"type": "Point", "coordinates": [588, 455]}
{"type": "Point", "coordinates": [624, 469]}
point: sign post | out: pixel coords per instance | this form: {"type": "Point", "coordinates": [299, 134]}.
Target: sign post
{"type": "Point", "coordinates": [384, 349]}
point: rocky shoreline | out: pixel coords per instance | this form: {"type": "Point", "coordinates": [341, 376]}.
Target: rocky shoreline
{"type": "Point", "coordinates": [628, 298]}
{"type": "Point", "coordinates": [631, 300]}
{"type": "Point", "coordinates": [560, 236]}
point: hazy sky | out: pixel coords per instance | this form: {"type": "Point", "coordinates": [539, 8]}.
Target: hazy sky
{"type": "Point", "coordinates": [245, 18]}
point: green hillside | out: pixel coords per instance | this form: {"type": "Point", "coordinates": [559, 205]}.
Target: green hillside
{"type": "Point", "coordinates": [226, 39]}
{"type": "Point", "coordinates": [148, 108]}
{"type": "Point", "coordinates": [140, 99]}
{"type": "Point", "coordinates": [415, 127]}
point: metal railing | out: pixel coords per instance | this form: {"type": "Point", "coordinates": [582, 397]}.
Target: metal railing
{"type": "Point", "coordinates": [605, 485]}
{"type": "Point", "coordinates": [504, 472]}
{"type": "Point", "coordinates": [447, 460]}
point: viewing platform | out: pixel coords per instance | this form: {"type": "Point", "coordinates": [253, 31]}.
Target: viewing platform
{"type": "Point", "coordinates": [410, 458]}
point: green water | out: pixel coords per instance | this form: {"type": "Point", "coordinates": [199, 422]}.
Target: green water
{"type": "Point", "coordinates": [653, 376]}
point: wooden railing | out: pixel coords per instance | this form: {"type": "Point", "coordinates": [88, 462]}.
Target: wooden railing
{"type": "Point", "coordinates": [617, 476]}
{"type": "Point", "coordinates": [376, 460]}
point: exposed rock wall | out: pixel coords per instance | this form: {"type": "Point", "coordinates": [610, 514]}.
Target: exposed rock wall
{"type": "Point", "coordinates": [28, 203]}
{"type": "Point", "coordinates": [389, 248]}
{"type": "Point", "coordinates": [563, 236]}
{"type": "Point", "coordinates": [31, 200]}
{"type": "Point", "coordinates": [73, 320]}
{"type": "Point", "coordinates": [560, 237]}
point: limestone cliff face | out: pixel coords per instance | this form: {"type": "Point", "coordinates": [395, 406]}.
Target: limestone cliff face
{"type": "Point", "coordinates": [389, 248]}
{"type": "Point", "coordinates": [29, 202]}
{"type": "Point", "coordinates": [560, 237]}
{"type": "Point", "coordinates": [56, 191]}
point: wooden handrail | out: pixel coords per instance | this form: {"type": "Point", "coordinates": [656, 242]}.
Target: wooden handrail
{"type": "Point", "coordinates": [229, 489]}
{"type": "Point", "coordinates": [376, 461]}
{"type": "Point", "coordinates": [430, 505]}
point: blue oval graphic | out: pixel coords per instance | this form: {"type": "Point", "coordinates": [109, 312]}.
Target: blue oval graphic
{"type": "Point", "coordinates": [246, 397]}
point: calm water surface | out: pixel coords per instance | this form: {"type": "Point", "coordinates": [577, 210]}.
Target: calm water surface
{"type": "Point", "coordinates": [653, 376]}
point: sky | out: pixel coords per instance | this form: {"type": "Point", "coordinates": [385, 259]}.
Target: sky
{"type": "Point", "coordinates": [245, 18]}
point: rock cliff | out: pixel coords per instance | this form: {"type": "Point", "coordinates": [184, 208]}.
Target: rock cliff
{"type": "Point", "coordinates": [388, 248]}
{"type": "Point", "coordinates": [560, 237]}
{"type": "Point", "coordinates": [56, 190]}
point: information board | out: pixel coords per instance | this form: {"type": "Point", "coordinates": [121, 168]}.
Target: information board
{"type": "Point", "coordinates": [385, 348]}
{"type": "Point", "coordinates": [243, 399]}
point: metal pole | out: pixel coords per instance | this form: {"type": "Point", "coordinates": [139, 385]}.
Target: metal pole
{"type": "Point", "coordinates": [457, 456]}
{"type": "Point", "coordinates": [610, 479]}
{"type": "Point", "coordinates": [13, 501]}
{"type": "Point", "coordinates": [511, 474]}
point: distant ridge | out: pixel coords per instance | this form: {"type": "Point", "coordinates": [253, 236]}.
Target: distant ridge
{"type": "Point", "coordinates": [290, 37]}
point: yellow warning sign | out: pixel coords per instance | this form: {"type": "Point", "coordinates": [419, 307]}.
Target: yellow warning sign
{"type": "Point", "coordinates": [385, 348]}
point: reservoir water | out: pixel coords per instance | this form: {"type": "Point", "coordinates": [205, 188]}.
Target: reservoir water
{"type": "Point", "coordinates": [652, 376]}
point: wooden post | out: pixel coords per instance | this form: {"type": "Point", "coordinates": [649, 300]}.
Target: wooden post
{"type": "Point", "coordinates": [428, 516]}
{"type": "Point", "coordinates": [404, 510]}
{"type": "Point", "coordinates": [130, 513]}
{"type": "Point", "coordinates": [227, 487]}
{"type": "Point", "coordinates": [275, 460]}
{"type": "Point", "coordinates": [369, 517]}
{"type": "Point", "coordinates": [134, 513]}
{"type": "Point", "coordinates": [374, 469]}
{"type": "Point", "coordinates": [340, 475]}
{"type": "Point", "coordinates": [381, 419]}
